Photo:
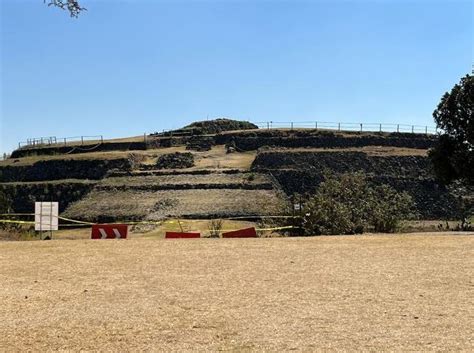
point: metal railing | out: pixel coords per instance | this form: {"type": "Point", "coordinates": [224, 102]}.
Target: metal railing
{"type": "Point", "coordinates": [58, 141]}
{"type": "Point", "coordinates": [361, 127]}
{"type": "Point", "coordinates": [322, 125]}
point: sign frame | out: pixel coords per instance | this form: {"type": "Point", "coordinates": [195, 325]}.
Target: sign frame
{"type": "Point", "coordinates": [46, 216]}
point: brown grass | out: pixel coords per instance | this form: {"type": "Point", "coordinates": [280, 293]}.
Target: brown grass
{"type": "Point", "coordinates": [187, 179]}
{"type": "Point", "coordinates": [218, 158]}
{"type": "Point", "coordinates": [134, 204]}
{"type": "Point", "coordinates": [149, 156]}
{"type": "Point", "coordinates": [215, 158]}
{"type": "Point", "coordinates": [327, 293]}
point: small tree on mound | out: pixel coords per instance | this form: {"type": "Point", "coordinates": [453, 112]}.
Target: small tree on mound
{"type": "Point", "coordinates": [348, 204]}
{"type": "Point", "coordinates": [219, 125]}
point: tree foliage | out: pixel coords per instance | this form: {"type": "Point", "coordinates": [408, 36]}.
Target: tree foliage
{"type": "Point", "coordinates": [453, 157]}
{"type": "Point", "coordinates": [348, 204]}
{"type": "Point", "coordinates": [72, 6]}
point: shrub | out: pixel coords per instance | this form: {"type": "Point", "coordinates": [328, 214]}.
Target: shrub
{"type": "Point", "coordinates": [215, 227]}
{"type": "Point", "coordinates": [250, 177]}
{"type": "Point", "coordinates": [388, 208]}
{"type": "Point", "coordinates": [175, 160]}
{"type": "Point", "coordinates": [348, 204]}
{"type": "Point", "coordinates": [464, 201]}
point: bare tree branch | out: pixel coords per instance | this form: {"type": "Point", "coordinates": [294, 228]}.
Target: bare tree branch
{"type": "Point", "coordinates": [72, 6]}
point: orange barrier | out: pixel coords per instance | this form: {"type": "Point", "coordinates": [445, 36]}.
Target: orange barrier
{"type": "Point", "coordinates": [241, 233]}
{"type": "Point", "coordinates": [180, 235]}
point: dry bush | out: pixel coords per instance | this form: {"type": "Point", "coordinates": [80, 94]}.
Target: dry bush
{"type": "Point", "coordinates": [16, 232]}
{"type": "Point", "coordinates": [215, 227]}
{"type": "Point", "coordinates": [136, 159]}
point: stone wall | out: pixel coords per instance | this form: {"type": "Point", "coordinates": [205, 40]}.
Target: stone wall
{"type": "Point", "coordinates": [343, 162]}
{"type": "Point", "coordinates": [24, 195]}
{"type": "Point", "coordinates": [62, 169]}
{"type": "Point", "coordinates": [302, 172]}
{"type": "Point", "coordinates": [323, 139]}
{"type": "Point", "coordinates": [87, 148]}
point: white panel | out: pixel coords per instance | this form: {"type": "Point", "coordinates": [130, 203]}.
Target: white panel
{"type": "Point", "coordinates": [46, 216]}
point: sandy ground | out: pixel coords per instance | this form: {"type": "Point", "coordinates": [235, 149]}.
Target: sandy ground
{"type": "Point", "coordinates": [410, 292]}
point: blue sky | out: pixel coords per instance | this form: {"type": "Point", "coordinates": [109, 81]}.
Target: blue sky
{"type": "Point", "coordinates": [128, 67]}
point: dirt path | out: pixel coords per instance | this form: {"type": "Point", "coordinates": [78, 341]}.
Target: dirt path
{"type": "Point", "coordinates": [410, 292]}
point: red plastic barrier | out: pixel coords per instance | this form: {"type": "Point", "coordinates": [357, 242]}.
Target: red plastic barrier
{"type": "Point", "coordinates": [179, 235]}
{"type": "Point", "coordinates": [241, 233]}
{"type": "Point", "coordinates": [109, 231]}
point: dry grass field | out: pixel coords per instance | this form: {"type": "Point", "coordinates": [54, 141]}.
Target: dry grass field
{"type": "Point", "coordinates": [187, 179]}
{"type": "Point", "coordinates": [155, 205]}
{"type": "Point", "coordinates": [412, 292]}
{"type": "Point", "coordinates": [216, 158]}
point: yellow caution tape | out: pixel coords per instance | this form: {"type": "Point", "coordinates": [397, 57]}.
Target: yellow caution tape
{"type": "Point", "coordinates": [161, 222]}
{"type": "Point", "coordinates": [276, 228]}
{"type": "Point", "coordinates": [15, 222]}
{"type": "Point", "coordinates": [16, 214]}
{"type": "Point", "coordinates": [75, 221]}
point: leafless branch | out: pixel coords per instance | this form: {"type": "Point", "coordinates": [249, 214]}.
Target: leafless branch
{"type": "Point", "coordinates": [72, 6]}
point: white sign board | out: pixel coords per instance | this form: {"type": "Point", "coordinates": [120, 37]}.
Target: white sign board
{"type": "Point", "coordinates": [46, 216]}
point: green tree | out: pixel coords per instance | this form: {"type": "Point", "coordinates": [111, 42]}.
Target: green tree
{"type": "Point", "coordinates": [388, 207]}
{"type": "Point", "coordinates": [348, 204]}
{"type": "Point", "coordinates": [453, 156]}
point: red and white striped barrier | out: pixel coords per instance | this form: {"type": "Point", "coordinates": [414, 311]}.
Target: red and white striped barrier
{"type": "Point", "coordinates": [109, 231]}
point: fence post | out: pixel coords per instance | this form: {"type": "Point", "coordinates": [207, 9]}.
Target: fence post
{"type": "Point", "coordinates": [316, 125]}
{"type": "Point", "coordinates": [65, 142]}
{"type": "Point", "coordinates": [398, 127]}
{"type": "Point", "coordinates": [144, 137]}
{"type": "Point", "coordinates": [412, 129]}
{"type": "Point", "coordinates": [360, 127]}
{"type": "Point", "coordinates": [268, 125]}
{"type": "Point", "coordinates": [338, 126]}
{"type": "Point", "coordinates": [426, 130]}
{"type": "Point", "coordinates": [292, 126]}
{"type": "Point", "coordinates": [380, 128]}
{"type": "Point", "coordinates": [82, 140]}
